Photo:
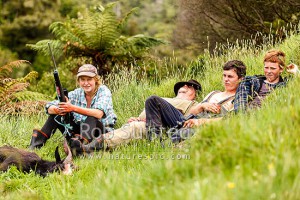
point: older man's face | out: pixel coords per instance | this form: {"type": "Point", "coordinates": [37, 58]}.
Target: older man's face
{"type": "Point", "coordinates": [187, 92]}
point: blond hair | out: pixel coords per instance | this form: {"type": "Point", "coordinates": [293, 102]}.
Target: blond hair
{"type": "Point", "coordinates": [98, 81]}
{"type": "Point", "coordinates": [275, 56]}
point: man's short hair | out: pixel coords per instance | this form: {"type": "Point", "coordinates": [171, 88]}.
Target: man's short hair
{"type": "Point", "coordinates": [238, 66]}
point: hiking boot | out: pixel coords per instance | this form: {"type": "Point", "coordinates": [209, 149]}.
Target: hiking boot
{"type": "Point", "coordinates": [38, 139]}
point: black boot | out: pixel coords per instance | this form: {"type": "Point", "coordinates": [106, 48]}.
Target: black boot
{"type": "Point", "coordinates": [38, 139]}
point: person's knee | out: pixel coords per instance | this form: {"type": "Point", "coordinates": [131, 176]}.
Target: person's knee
{"type": "Point", "coordinates": [91, 119]}
{"type": "Point", "coordinates": [91, 128]}
{"type": "Point", "coordinates": [152, 99]}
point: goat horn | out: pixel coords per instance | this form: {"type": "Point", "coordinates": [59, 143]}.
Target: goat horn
{"type": "Point", "coordinates": [67, 150]}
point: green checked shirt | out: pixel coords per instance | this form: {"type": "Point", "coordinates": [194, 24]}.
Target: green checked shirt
{"type": "Point", "coordinates": [102, 101]}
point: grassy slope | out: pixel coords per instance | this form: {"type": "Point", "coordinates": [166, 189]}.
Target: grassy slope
{"type": "Point", "coordinates": [250, 156]}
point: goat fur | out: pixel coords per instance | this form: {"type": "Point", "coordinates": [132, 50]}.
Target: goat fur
{"type": "Point", "coordinates": [26, 161]}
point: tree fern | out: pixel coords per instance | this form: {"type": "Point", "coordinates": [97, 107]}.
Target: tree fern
{"type": "Point", "coordinates": [98, 29]}
{"type": "Point", "coordinates": [97, 36]}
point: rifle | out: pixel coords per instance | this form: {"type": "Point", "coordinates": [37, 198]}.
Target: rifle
{"type": "Point", "coordinates": [180, 124]}
{"type": "Point", "coordinates": [174, 132]}
{"type": "Point", "coordinates": [61, 93]}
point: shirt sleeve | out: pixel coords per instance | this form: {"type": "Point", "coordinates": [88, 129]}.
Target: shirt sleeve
{"type": "Point", "coordinates": [143, 114]}
{"type": "Point", "coordinates": [47, 106]}
{"type": "Point", "coordinates": [103, 101]}
{"type": "Point", "coordinates": [242, 93]}
{"type": "Point", "coordinates": [72, 97]}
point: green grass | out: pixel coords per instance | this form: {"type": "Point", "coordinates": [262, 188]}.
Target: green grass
{"type": "Point", "coordinates": [245, 156]}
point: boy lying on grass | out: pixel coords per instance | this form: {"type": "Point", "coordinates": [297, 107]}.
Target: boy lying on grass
{"type": "Point", "coordinates": [135, 129]}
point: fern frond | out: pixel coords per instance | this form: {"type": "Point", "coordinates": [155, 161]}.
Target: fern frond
{"type": "Point", "coordinates": [77, 49]}
{"type": "Point", "coordinates": [98, 30]}
{"type": "Point", "coordinates": [108, 6]}
{"type": "Point", "coordinates": [9, 87]}
{"type": "Point", "coordinates": [144, 41]}
{"type": "Point", "coordinates": [64, 31]}
{"type": "Point", "coordinates": [17, 87]}
{"type": "Point", "coordinates": [7, 93]}
{"type": "Point", "coordinates": [29, 77]}
{"type": "Point", "coordinates": [13, 90]}
{"type": "Point", "coordinates": [23, 108]}
{"type": "Point", "coordinates": [123, 22]}
{"type": "Point", "coordinates": [29, 96]}
{"type": "Point", "coordinates": [135, 45]}
{"type": "Point", "coordinates": [7, 69]}
{"type": "Point", "coordinates": [42, 47]}
{"type": "Point", "coordinates": [6, 80]}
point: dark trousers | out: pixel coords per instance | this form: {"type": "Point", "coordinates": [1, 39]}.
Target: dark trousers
{"type": "Point", "coordinates": [90, 129]}
{"type": "Point", "coordinates": [160, 114]}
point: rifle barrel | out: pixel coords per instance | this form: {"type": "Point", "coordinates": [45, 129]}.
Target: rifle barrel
{"type": "Point", "coordinates": [52, 56]}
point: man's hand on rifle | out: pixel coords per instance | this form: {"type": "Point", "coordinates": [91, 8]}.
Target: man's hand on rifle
{"type": "Point", "coordinates": [55, 110]}
{"type": "Point", "coordinates": [190, 123]}
{"type": "Point", "coordinates": [65, 107]}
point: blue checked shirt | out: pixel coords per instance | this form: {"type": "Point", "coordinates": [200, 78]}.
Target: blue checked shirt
{"type": "Point", "coordinates": [249, 89]}
{"type": "Point", "coordinates": [102, 101]}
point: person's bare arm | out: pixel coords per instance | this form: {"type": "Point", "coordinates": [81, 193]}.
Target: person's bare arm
{"type": "Point", "coordinates": [66, 107]}
{"type": "Point", "coordinates": [54, 110]}
{"type": "Point", "coordinates": [87, 111]}
{"type": "Point", "coordinates": [198, 122]}
{"type": "Point", "coordinates": [211, 107]}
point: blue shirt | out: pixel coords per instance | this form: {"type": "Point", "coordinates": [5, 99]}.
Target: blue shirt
{"type": "Point", "coordinates": [102, 101]}
{"type": "Point", "coordinates": [249, 88]}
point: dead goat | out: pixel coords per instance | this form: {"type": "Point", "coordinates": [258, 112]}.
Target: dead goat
{"type": "Point", "coordinates": [26, 161]}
